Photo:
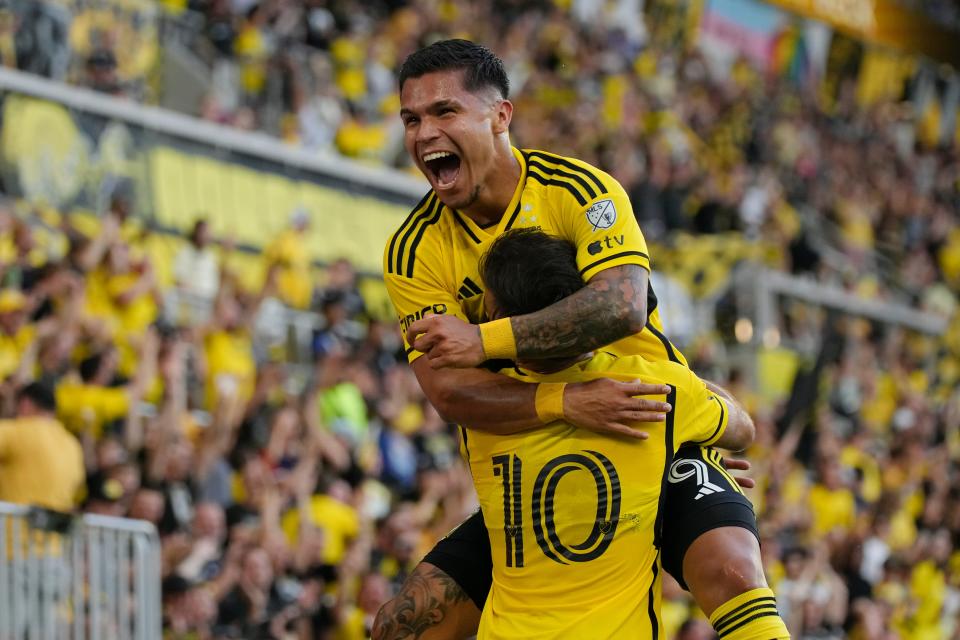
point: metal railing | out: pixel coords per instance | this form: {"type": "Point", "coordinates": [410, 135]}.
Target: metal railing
{"type": "Point", "coordinates": [77, 577]}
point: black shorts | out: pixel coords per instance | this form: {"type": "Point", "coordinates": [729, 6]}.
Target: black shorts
{"type": "Point", "coordinates": [700, 496]}
{"type": "Point", "coordinates": [464, 554]}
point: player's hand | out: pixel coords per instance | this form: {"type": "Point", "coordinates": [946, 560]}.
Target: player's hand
{"type": "Point", "coordinates": [610, 407]}
{"type": "Point", "coordinates": [738, 464]}
{"type": "Point", "coordinates": [447, 341]}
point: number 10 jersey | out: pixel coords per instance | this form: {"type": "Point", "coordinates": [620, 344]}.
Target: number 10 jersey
{"type": "Point", "coordinates": [573, 517]}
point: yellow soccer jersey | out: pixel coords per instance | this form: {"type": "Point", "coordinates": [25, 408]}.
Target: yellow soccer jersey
{"type": "Point", "coordinates": [431, 264]}
{"type": "Point", "coordinates": [573, 516]}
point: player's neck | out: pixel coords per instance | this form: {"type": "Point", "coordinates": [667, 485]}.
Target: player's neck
{"type": "Point", "coordinates": [496, 191]}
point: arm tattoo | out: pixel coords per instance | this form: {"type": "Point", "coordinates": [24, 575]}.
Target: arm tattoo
{"type": "Point", "coordinates": [423, 602]}
{"type": "Point", "coordinates": [611, 307]}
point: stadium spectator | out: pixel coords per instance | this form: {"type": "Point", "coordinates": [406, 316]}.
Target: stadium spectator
{"type": "Point", "coordinates": [41, 463]}
{"type": "Point", "coordinates": [196, 269]}
{"type": "Point", "coordinates": [288, 255]}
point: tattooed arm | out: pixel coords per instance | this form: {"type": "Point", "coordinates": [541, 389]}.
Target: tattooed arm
{"type": "Point", "coordinates": [430, 606]}
{"type": "Point", "coordinates": [494, 403]}
{"type": "Point", "coordinates": [612, 306]}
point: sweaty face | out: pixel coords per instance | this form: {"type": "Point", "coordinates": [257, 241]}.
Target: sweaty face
{"type": "Point", "coordinates": [450, 134]}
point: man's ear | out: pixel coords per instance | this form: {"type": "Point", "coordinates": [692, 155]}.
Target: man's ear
{"type": "Point", "coordinates": [502, 116]}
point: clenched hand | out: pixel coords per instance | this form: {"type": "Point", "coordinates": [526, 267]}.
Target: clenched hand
{"type": "Point", "coordinates": [447, 341]}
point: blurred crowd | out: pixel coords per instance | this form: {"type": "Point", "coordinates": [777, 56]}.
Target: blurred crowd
{"type": "Point", "coordinates": [292, 497]}
{"type": "Point", "coordinates": [291, 500]}
{"type": "Point", "coordinates": [294, 494]}
{"type": "Point", "coordinates": [835, 181]}
{"type": "Point", "coordinates": [942, 12]}
{"type": "Point", "coordinates": [858, 495]}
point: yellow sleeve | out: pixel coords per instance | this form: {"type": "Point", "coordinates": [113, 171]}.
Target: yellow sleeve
{"type": "Point", "coordinates": [419, 296]}
{"type": "Point", "coordinates": [113, 403]}
{"type": "Point", "coordinates": [700, 416]}
{"type": "Point", "coordinates": [118, 285]}
{"type": "Point", "coordinates": [604, 230]}
{"type": "Point", "coordinates": [69, 402]}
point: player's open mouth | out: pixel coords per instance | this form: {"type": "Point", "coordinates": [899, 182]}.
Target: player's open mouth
{"type": "Point", "coordinates": [444, 166]}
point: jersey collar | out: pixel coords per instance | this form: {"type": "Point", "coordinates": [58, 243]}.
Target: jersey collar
{"type": "Point", "coordinates": [510, 215]}
{"type": "Point", "coordinates": [475, 231]}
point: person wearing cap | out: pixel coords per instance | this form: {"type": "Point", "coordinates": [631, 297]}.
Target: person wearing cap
{"type": "Point", "coordinates": [41, 463]}
{"type": "Point", "coordinates": [288, 254]}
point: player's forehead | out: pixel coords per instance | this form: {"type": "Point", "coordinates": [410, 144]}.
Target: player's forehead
{"type": "Point", "coordinates": [424, 91]}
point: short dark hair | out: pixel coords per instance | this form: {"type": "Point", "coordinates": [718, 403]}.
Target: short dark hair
{"type": "Point", "coordinates": [41, 394]}
{"type": "Point", "coordinates": [527, 270]}
{"type": "Point", "coordinates": [90, 367]}
{"type": "Point", "coordinates": [482, 68]}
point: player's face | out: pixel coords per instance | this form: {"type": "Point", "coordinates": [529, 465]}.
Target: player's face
{"type": "Point", "coordinates": [450, 133]}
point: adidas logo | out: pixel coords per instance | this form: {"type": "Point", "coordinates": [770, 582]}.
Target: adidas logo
{"type": "Point", "coordinates": [468, 289]}
{"type": "Point", "coordinates": [708, 488]}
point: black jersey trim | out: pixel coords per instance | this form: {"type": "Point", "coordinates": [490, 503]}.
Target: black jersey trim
{"type": "Point", "coordinates": [560, 160]}
{"type": "Point", "coordinates": [513, 216]}
{"type": "Point", "coordinates": [667, 462]}
{"type": "Point", "coordinates": [557, 183]}
{"type": "Point", "coordinates": [423, 214]}
{"type": "Point", "coordinates": [622, 254]}
{"type": "Point", "coordinates": [466, 227]}
{"type": "Point", "coordinates": [412, 255]}
{"type": "Point", "coordinates": [719, 424]}
{"type": "Point", "coordinates": [409, 219]}
{"type": "Point", "coordinates": [466, 445]}
{"type": "Point", "coordinates": [671, 354]}
{"type": "Point", "coordinates": [556, 171]}
{"type": "Point", "coordinates": [651, 604]}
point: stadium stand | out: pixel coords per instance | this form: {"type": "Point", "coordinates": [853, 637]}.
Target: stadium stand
{"type": "Point", "coordinates": [297, 476]}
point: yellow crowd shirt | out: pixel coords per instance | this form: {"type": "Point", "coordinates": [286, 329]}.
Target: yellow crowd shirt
{"type": "Point", "coordinates": [231, 368]}
{"type": "Point", "coordinates": [339, 522]}
{"type": "Point", "coordinates": [573, 516]}
{"type": "Point", "coordinates": [289, 251]}
{"type": "Point", "coordinates": [831, 509]}
{"type": "Point", "coordinates": [88, 407]}
{"type": "Point", "coordinates": [139, 313]}
{"type": "Point", "coordinates": [12, 348]}
{"type": "Point", "coordinates": [41, 463]}
{"type": "Point", "coordinates": [431, 264]}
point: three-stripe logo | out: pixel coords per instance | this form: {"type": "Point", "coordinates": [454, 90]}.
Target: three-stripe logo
{"type": "Point", "coordinates": [468, 289]}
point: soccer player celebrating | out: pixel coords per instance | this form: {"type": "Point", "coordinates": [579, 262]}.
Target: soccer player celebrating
{"type": "Point", "coordinates": [456, 117]}
{"type": "Point", "coordinates": [570, 512]}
